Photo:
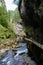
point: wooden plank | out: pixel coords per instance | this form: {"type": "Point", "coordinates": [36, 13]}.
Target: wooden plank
{"type": "Point", "coordinates": [34, 42]}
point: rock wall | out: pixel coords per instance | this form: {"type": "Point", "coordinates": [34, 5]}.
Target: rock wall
{"type": "Point", "coordinates": [31, 11]}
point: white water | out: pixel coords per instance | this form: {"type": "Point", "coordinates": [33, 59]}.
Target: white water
{"type": "Point", "coordinates": [12, 59]}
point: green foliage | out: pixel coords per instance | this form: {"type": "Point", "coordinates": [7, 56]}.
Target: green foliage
{"type": "Point", "coordinates": [3, 20]}
{"type": "Point", "coordinates": [16, 15]}
{"type": "Point", "coordinates": [6, 31]}
{"type": "Point", "coordinates": [5, 34]}
{"type": "Point", "coordinates": [3, 15]}
{"type": "Point", "coordinates": [7, 22]}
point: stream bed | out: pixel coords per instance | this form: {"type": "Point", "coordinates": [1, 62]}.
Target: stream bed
{"type": "Point", "coordinates": [19, 57]}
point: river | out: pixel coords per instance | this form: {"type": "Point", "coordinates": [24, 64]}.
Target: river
{"type": "Point", "coordinates": [19, 57]}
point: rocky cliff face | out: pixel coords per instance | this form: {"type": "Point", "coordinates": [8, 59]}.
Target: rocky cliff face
{"type": "Point", "coordinates": [31, 12]}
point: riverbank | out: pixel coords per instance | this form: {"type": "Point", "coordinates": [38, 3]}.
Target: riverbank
{"type": "Point", "coordinates": [8, 44]}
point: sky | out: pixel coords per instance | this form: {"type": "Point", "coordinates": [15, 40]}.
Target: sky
{"type": "Point", "coordinates": [10, 5]}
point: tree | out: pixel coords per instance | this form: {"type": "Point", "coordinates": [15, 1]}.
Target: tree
{"type": "Point", "coordinates": [3, 13]}
{"type": "Point", "coordinates": [16, 15]}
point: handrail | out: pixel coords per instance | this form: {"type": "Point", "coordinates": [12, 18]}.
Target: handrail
{"type": "Point", "coordinates": [34, 42]}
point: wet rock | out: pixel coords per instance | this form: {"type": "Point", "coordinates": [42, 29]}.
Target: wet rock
{"type": "Point", "coordinates": [11, 60]}
{"type": "Point", "coordinates": [3, 53]}
{"type": "Point", "coordinates": [1, 63]}
{"type": "Point", "coordinates": [17, 59]}
{"type": "Point", "coordinates": [9, 56]}
{"type": "Point", "coordinates": [28, 60]}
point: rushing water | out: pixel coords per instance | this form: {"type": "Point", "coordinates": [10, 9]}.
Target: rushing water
{"type": "Point", "coordinates": [12, 59]}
